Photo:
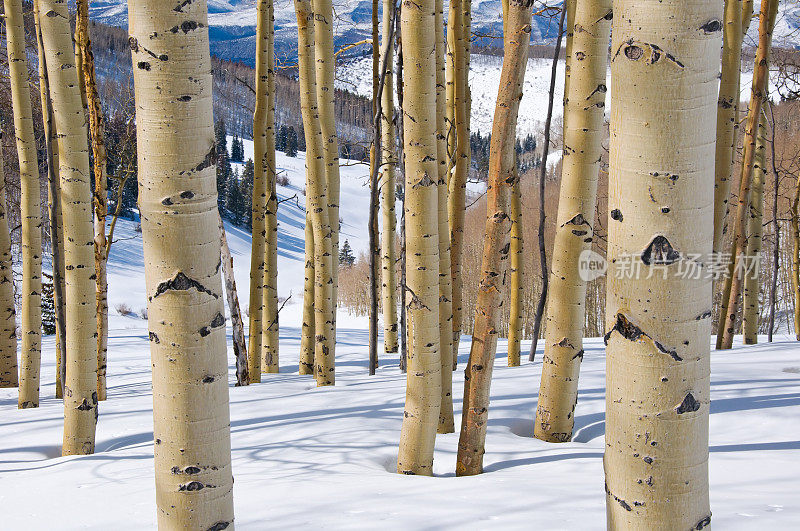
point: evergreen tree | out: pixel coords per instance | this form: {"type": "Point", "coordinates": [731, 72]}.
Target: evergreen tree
{"type": "Point", "coordinates": [224, 170]}
{"type": "Point", "coordinates": [280, 139]}
{"type": "Point", "coordinates": [291, 142]}
{"type": "Point", "coordinates": [246, 185]}
{"type": "Point", "coordinates": [237, 150]}
{"type": "Point", "coordinates": [48, 307]}
{"type": "Point", "coordinates": [346, 256]}
{"type": "Point", "coordinates": [233, 200]}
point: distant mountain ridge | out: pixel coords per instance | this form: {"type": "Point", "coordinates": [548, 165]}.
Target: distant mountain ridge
{"type": "Point", "coordinates": [232, 24]}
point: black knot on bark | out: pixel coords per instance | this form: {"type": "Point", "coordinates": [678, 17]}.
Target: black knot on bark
{"type": "Point", "coordinates": [712, 26]}
{"type": "Point", "coordinates": [689, 404]}
{"type": "Point", "coordinates": [660, 252]}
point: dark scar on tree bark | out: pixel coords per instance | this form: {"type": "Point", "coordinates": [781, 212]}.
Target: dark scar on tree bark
{"type": "Point", "coordinates": [181, 283]}
{"type": "Point", "coordinates": [631, 332]}
{"type": "Point", "coordinates": [689, 404]}
{"type": "Point", "coordinates": [703, 523]}
{"type": "Point", "coordinates": [660, 252]}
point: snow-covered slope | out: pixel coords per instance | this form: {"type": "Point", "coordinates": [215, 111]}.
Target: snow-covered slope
{"type": "Point", "coordinates": [125, 269]}
{"type": "Point", "coordinates": [324, 458]}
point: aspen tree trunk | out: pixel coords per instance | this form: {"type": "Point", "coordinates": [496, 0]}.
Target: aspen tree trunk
{"type": "Point", "coordinates": [30, 209]}
{"type": "Point", "coordinates": [496, 243]}
{"type": "Point", "coordinates": [402, 167]}
{"type": "Point", "coordinates": [727, 106]}
{"type": "Point", "coordinates": [453, 38]}
{"type": "Point", "coordinates": [372, 221]}
{"type": "Point", "coordinates": [751, 313]}
{"type": "Point", "coordinates": [796, 257]}
{"type": "Point", "coordinates": [269, 319]}
{"type": "Point", "coordinates": [769, 10]}
{"type": "Point", "coordinates": [259, 201]}
{"type": "Point", "coordinates": [237, 325]}
{"type": "Point", "coordinates": [424, 383]}
{"type": "Point", "coordinates": [8, 318]}
{"type": "Point", "coordinates": [307, 332]}
{"type": "Point", "coordinates": [99, 195]}
{"type": "Point", "coordinates": [664, 68]}
{"type": "Point", "coordinates": [180, 229]}
{"type": "Point", "coordinates": [446, 422]}
{"type": "Point", "coordinates": [325, 74]}
{"type": "Point", "coordinates": [584, 106]}
{"type": "Point", "coordinates": [746, 16]}
{"type": "Point", "coordinates": [389, 220]}
{"type": "Point", "coordinates": [318, 203]}
{"type": "Point", "coordinates": [456, 205]}
{"type": "Point", "coordinates": [516, 269]}
{"type": "Point", "coordinates": [53, 207]}
{"type": "Point", "coordinates": [80, 385]}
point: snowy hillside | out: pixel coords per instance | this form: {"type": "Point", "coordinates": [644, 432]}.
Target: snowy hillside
{"type": "Point", "coordinates": [125, 269]}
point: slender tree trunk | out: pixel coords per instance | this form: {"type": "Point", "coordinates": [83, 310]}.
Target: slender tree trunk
{"type": "Point", "coordinates": [540, 306]}
{"type": "Point", "coordinates": [388, 161]}
{"type": "Point", "coordinates": [307, 332]}
{"type": "Point", "coordinates": [456, 206]}
{"type": "Point", "coordinates": [30, 209]}
{"type": "Point", "coordinates": [325, 74]}
{"type": "Point", "coordinates": [769, 9]}
{"type": "Point", "coordinates": [584, 106]}
{"type": "Point", "coordinates": [316, 191]}
{"type": "Point", "coordinates": [54, 209]}
{"type": "Point", "coordinates": [664, 67]}
{"type": "Point", "coordinates": [796, 257]}
{"type": "Point", "coordinates": [180, 229]}
{"type": "Point", "coordinates": [446, 422]}
{"type": "Point", "coordinates": [231, 295]}
{"type": "Point", "coordinates": [375, 153]}
{"type": "Point", "coordinates": [8, 319]}
{"type": "Point", "coordinates": [516, 270]}
{"type": "Point", "coordinates": [496, 243]}
{"type": "Point", "coordinates": [374, 250]}
{"type": "Point", "coordinates": [751, 307]}
{"type": "Point", "coordinates": [424, 383]}
{"type": "Point", "coordinates": [259, 201]}
{"type": "Point", "coordinates": [99, 194]}
{"type": "Point", "coordinates": [727, 119]}
{"type": "Point", "coordinates": [80, 385]}
{"type": "Point", "coordinates": [269, 318]}
{"type": "Point", "coordinates": [402, 166]}
{"type": "Point", "coordinates": [776, 231]}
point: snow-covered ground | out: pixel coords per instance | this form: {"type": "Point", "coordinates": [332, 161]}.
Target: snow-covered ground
{"type": "Point", "coordinates": [307, 457]}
